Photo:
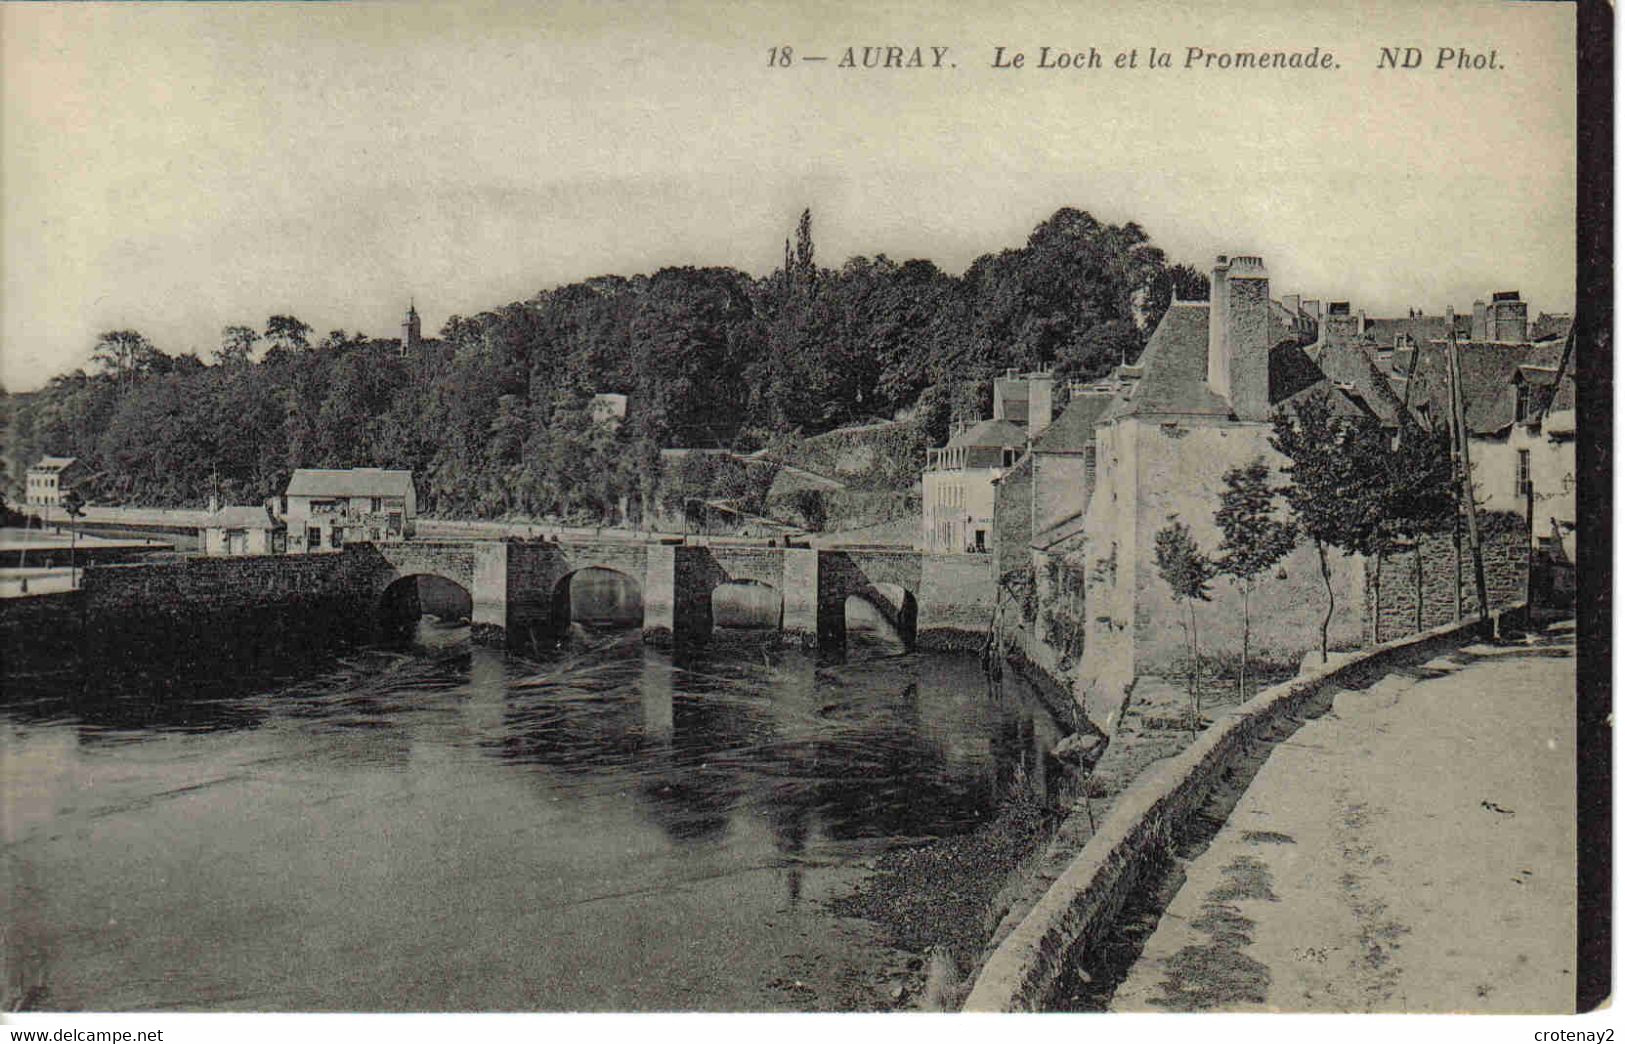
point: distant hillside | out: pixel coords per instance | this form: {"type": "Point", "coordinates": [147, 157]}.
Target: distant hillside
{"type": "Point", "coordinates": [495, 417]}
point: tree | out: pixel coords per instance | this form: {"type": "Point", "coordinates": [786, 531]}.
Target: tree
{"type": "Point", "coordinates": [124, 354]}
{"type": "Point", "coordinates": [1420, 496]}
{"type": "Point", "coordinates": [1187, 571]}
{"type": "Point", "coordinates": [806, 271]}
{"type": "Point", "coordinates": [287, 333]}
{"type": "Point", "coordinates": [1338, 484]}
{"type": "Point", "coordinates": [1253, 541]}
{"type": "Point", "coordinates": [236, 346]}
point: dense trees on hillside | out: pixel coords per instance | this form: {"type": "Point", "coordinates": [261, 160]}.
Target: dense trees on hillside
{"type": "Point", "coordinates": [494, 416]}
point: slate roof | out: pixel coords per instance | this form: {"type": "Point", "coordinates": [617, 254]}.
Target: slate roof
{"type": "Point", "coordinates": [1074, 429]}
{"type": "Point", "coordinates": [1550, 327]}
{"type": "Point", "coordinates": [991, 433]}
{"type": "Point", "coordinates": [1487, 369]}
{"type": "Point", "coordinates": [241, 516]}
{"type": "Point", "coordinates": [349, 482]}
{"type": "Point", "coordinates": [55, 464]}
{"type": "Point", "coordinates": [1292, 373]}
{"type": "Point", "coordinates": [1420, 328]}
{"type": "Point", "coordinates": [1352, 369]}
{"type": "Point", "coordinates": [1174, 368]}
{"type": "Point", "coordinates": [1174, 364]}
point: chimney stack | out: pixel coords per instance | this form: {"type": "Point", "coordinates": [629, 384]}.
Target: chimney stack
{"type": "Point", "coordinates": [1040, 403]}
{"type": "Point", "coordinates": [1240, 337]}
{"type": "Point", "coordinates": [1481, 325]}
{"type": "Point", "coordinates": [1339, 327]}
{"type": "Point", "coordinates": [1508, 318]}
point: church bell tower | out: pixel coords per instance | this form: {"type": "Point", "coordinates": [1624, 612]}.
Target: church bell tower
{"type": "Point", "coordinates": [411, 329]}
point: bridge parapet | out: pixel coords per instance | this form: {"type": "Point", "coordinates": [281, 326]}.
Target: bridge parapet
{"type": "Point", "coordinates": [517, 587]}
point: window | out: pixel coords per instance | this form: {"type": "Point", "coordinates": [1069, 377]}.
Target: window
{"type": "Point", "coordinates": [1088, 467]}
{"type": "Point", "coordinates": [1522, 408]}
{"type": "Point", "coordinates": [1522, 487]}
{"type": "Point", "coordinates": [313, 538]}
{"type": "Point", "coordinates": [1009, 457]}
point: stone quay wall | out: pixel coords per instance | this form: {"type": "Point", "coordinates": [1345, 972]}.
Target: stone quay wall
{"type": "Point", "coordinates": [244, 609]}
{"type": "Point", "coordinates": [1077, 911]}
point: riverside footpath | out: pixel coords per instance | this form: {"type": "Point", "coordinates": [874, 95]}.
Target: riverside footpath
{"type": "Point", "coordinates": [1412, 850]}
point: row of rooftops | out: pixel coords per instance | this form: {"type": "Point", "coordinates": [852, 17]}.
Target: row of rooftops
{"type": "Point", "coordinates": [1367, 372]}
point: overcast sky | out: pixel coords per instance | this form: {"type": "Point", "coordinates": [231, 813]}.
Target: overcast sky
{"type": "Point", "coordinates": [178, 167]}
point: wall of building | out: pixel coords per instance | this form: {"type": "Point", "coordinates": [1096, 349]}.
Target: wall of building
{"type": "Point", "coordinates": [1063, 483]}
{"type": "Point", "coordinates": [1181, 475]}
{"type": "Point", "coordinates": [216, 541]}
{"type": "Point", "coordinates": [1152, 474]}
{"type": "Point", "coordinates": [1013, 517]}
{"type": "Point", "coordinates": [957, 503]}
{"type": "Point", "coordinates": [1444, 589]}
{"type": "Point", "coordinates": [1551, 471]}
{"type": "Point", "coordinates": [1106, 672]}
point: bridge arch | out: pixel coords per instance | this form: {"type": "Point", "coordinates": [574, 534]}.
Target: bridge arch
{"type": "Point", "coordinates": [883, 613]}
{"type": "Point", "coordinates": [747, 605]}
{"type": "Point", "coordinates": [403, 599]}
{"type": "Point", "coordinates": [596, 593]}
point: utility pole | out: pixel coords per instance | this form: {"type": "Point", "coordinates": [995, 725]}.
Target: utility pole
{"type": "Point", "coordinates": [1464, 465]}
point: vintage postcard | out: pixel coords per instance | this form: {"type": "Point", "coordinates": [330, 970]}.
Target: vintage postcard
{"type": "Point", "coordinates": [770, 507]}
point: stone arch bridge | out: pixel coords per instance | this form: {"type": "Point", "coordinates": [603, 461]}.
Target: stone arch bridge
{"type": "Point", "coordinates": [933, 601]}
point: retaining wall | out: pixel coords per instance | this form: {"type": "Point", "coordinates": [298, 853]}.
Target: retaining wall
{"type": "Point", "coordinates": [956, 598]}
{"type": "Point", "coordinates": [1444, 590]}
{"type": "Point", "coordinates": [1077, 911]}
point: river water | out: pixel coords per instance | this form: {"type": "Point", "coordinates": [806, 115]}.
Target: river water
{"type": "Point", "coordinates": [449, 828]}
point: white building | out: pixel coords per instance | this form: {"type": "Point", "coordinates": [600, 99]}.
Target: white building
{"type": "Point", "coordinates": [50, 479]}
{"type": "Point", "coordinates": [958, 485]}
{"type": "Point", "coordinates": [243, 530]}
{"type": "Point", "coordinates": [328, 508]}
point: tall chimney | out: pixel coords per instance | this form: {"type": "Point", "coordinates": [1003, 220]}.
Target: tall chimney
{"type": "Point", "coordinates": [1040, 403]}
{"type": "Point", "coordinates": [1338, 326]}
{"type": "Point", "coordinates": [1508, 318]}
{"type": "Point", "coordinates": [1218, 327]}
{"type": "Point", "coordinates": [1240, 336]}
{"type": "Point", "coordinates": [1481, 330]}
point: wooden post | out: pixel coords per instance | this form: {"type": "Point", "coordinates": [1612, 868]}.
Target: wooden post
{"type": "Point", "coordinates": [1529, 540]}
{"type": "Point", "coordinates": [1465, 466]}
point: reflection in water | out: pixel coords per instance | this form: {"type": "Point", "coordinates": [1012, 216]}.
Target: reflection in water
{"type": "Point", "coordinates": [610, 828]}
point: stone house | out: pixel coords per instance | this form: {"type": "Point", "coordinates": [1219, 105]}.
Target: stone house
{"type": "Point", "coordinates": [243, 530]}
{"type": "Point", "coordinates": [1053, 481]}
{"type": "Point", "coordinates": [1211, 379]}
{"type": "Point", "coordinates": [50, 479]}
{"type": "Point", "coordinates": [327, 508]}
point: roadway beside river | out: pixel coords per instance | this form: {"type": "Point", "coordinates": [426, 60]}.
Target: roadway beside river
{"type": "Point", "coordinates": [1412, 850]}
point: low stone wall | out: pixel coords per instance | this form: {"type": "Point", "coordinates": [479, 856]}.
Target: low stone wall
{"type": "Point", "coordinates": [1444, 590]}
{"type": "Point", "coordinates": [243, 609]}
{"type": "Point", "coordinates": [1078, 908]}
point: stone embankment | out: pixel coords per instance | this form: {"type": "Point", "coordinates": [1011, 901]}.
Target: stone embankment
{"type": "Point", "coordinates": [1078, 908]}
